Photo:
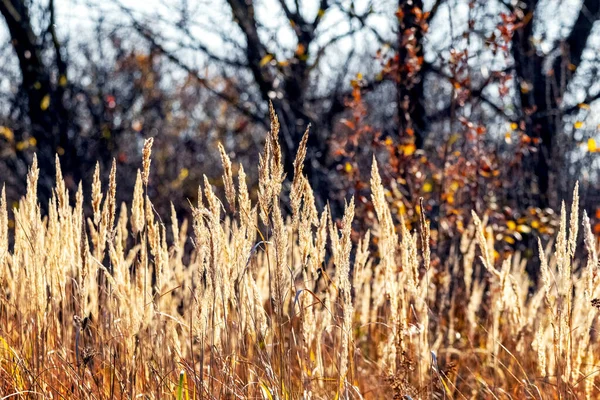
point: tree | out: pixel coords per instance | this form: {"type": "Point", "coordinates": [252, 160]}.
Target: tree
{"type": "Point", "coordinates": [289, 76]}
{"type": "Point", "coordinates": [45, 85]}
{"type": "Point", "coordinates": [428, 75]}
{"type": "Point", "coordinates": [543, 80]}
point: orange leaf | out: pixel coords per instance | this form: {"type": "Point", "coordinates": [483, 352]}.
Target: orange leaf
{"type": "Point", "coordinates": [348, 123]}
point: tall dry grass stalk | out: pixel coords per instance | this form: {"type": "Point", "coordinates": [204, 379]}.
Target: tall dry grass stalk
{"type": "Point", "coordinates": [267, 306]}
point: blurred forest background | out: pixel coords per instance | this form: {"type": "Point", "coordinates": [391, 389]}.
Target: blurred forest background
{"type": "Point", "coordinates": [473, 104]}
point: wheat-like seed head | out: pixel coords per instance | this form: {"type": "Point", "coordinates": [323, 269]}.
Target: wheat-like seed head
{"type": "Point", "coordinates": [574, 222]}
{"type": "Point", "coordinates": [61, 190]}
{"type": "Point", "coordinates": [276, 166]}
{"type": "Point", "coordinates": [265, 188]}
{"type": "Point", "coordinates": [244, 199]}
{"type": "Point", "coordinates": [96, 195]}
{"type": "Point", "coordinates": [561, 246]}
{"type": "Point", "coordinates": [342, 259]}
{"type": "Point", "coordinates": [146, 153]}
{"type": "Point", "coordinates": [112, 197]}
{"type": "Point", "coordinates": [175, 228]}
{"type": "Point", "coordinates": [592, 260]}
{"type": "Point", "coordinates": [298, 184]}
{"type": "Point", "coordinates": [486, 257]}
{"type": "Point", "coordinates": [32, 181]}
{"type": "Point", "coordinates": [137, 205]}
{"type": "Point", "coordinates": [280, 239]}
{"type": "Point", "coordinates": [227, 177]}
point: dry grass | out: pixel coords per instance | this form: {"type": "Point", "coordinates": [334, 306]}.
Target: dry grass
{"type": "Point", "coordinates": [112, 306]}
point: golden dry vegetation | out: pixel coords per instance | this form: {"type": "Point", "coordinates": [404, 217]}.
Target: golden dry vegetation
{"type": "Point", "coordinates": [114, 306]}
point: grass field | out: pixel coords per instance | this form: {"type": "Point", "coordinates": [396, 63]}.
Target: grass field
{"type": "Point", "coordinates": [112, 305]}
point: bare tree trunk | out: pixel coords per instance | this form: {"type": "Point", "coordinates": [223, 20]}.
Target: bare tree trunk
{"type": "Point", "coordinates": [410, 79]}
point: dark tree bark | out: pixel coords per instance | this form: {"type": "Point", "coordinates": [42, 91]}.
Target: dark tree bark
{"type": "Point", "coordinates": [411, 68]}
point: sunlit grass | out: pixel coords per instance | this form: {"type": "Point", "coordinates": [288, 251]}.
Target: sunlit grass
{"type": "Point", "coordinates": [111, 306]}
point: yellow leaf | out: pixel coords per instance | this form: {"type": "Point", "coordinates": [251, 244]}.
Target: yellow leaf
{"type": "Point", "coordinates": [401, 209]}
{"type": "Point", "coordinates": [265, 60]}
{"type": "Point", "coordinates": [591, 144]}
{"type": "Point", "coordinates": [7, 133]}
{"type": "Point", "coordinates": [453, 139]}
{"type": "Point", "coordinates": [578, 124]}
{"type": "Point", "coordinates": [45, 103]}
{"type": "Point", "coordinates": [409, 149]}
{"type": "Point", "coordinates": [584, 106]}
{"type": "Point", "coordinates": [427, 187]}
{"type": "Point", "coordinates": [511, 225]}
{"type": "Point", "coordinates": [183, 173]}
{"type": "Point", "coordinates": [514, 126]}
{"type": "Point", "coordinates": [523, 229]}
{"type": "Point", "coordinates": [62, 81]}
{"type": "Point", "coordinates": [348, 167]}
{"type": "Point", "coordinates": [22, 145]}
{"type": "Point", "coordinates": [321, 12]}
